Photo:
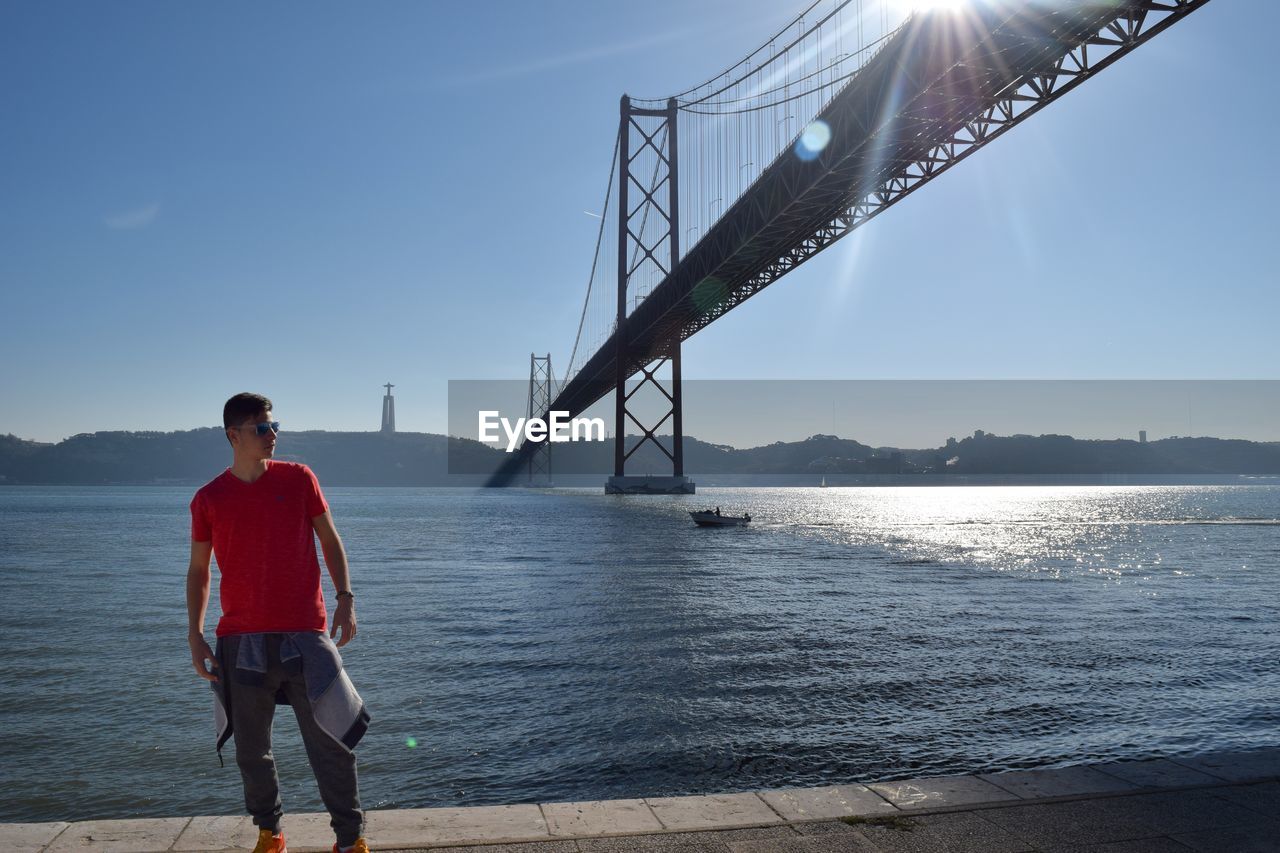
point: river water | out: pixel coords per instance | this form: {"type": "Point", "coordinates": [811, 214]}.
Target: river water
{"type": "Point", "coordinates": [526, 646]}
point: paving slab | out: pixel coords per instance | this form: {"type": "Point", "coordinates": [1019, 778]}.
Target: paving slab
{"type": "Point", "coordinates": [1059, 782]}
{"type": "Point", "coordinates": [600, 817]}
{"type": "Point", "coordinates": [29, 837]}
{"type": "Point", "coordinates": [219, 833]}
{"type": "Point", "coordinates": [441, 827]}
{"type": "Point", "coordinates": [1260, 797]}
{"type": "Point", "coordinates": [563, 846]}
{"type": "Point", "coordinates": [686, 842]}
{"type": "Point", "coordinates": [1254, 765]}
{"type": "Point", "coordinates": [823, 827]}
{"type": "Point", "coordinates": [1172, 812]}
{"type": "Point", "coordinates": [1157, 773]}
{"type": "Point", "coordinates": [846, 843]}
{"type": "Point", "coordinates": [956, 831]}
{"type": "Point", "coordinates": [1237, 840]}
{"type": "Point", "coordinates": [1082, 822]}
{"type": "Point", "coordinates": [714, 811]}
{"type": "Point", "coordinates": [306, 832]}
{"type": "Point", "coordinates": [835, 801]}
{"type": "Point", "coordinates": [140, 835]}
{"type": "Point", "coordinates": [942, 833]}
{"type": "Point", "coordinates": [941, 791]}
{"type": "Point", "coordinates": [206, 834]}
{"type": "Point", "coordinates": [1141, 845]}
{"type": "Point", "coordinates": [653, 844]}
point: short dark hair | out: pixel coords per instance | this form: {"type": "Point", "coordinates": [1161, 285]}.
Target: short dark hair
{"type": "Point", "coordinates": [243, 406]}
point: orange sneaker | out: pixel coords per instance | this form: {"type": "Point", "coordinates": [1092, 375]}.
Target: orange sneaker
{"type": "Point", "coordinates": [361, 846]}
{"type": "Point", "coordinates": [268, 843]}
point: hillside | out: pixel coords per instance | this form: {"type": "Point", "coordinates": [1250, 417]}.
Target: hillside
{"type": "Point", "coordinates": [424, 459]}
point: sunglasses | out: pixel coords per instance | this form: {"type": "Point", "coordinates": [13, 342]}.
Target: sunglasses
{"type": "Point", "coordinates": [262, 428]}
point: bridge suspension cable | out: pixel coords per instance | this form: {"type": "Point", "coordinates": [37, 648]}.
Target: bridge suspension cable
{"type": "Point", "coordinates": [773, 57]}
{"type": "Point", "coordinates": [788, 97]}
{"type": "Point", "coordinates": [595, 263]}
{"type": "Point", "coordinates": [797, 19]}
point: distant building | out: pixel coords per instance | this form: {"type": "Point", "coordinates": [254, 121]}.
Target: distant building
{"type": "Point", "coordinates": [1142, 436]}
{"type": "Point", "coordinates": [977, 433]}
{"type": "Point", "coordinates": [891, 464]}
{"type": "Point", "coordinates": [389, 410]}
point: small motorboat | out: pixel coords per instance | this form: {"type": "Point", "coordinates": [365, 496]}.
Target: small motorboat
{"type": "Point", "coordinates": [713, 518]}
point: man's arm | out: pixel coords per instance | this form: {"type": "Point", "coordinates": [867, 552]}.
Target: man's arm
{"type": "Point", "coordinates": [335, 558]}
{"type": "Point", "coordinates": [197, 604]}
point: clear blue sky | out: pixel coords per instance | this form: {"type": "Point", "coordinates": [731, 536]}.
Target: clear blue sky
{"type": "Point", "coordinates": [312, 199]}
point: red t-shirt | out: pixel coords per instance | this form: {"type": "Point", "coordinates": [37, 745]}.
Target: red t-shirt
{"type": "Point", "coordinates": [265, 547]}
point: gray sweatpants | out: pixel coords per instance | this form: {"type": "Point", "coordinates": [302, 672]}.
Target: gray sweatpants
{"type": "Point", "coordinates": [252, 711]}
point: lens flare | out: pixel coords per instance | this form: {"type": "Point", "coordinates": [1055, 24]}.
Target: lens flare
{"type": "Point", "coordinates": [709, 293]}
{"type": "Point", "coordinates": [411, 742]}
{"type": "Point", "coordinates": [815, 138]}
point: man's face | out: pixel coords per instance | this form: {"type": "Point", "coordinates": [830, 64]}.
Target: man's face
{"type": "Point", "coordinates": [247, 440]}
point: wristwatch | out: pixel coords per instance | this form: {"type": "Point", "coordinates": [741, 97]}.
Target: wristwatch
{"type": "Point", "coordinates": [348, 593]}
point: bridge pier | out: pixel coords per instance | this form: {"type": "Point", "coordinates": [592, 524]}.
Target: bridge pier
{"type": "Point", "coordinates": [541, 393]}
{"type": "Point", "coordinates": [649, 485]}
{"type": "Point", "coordinates": [657, 131]}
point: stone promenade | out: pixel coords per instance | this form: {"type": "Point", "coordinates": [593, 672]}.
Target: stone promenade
{"type": "Point", "coordinates": [1227, 802]}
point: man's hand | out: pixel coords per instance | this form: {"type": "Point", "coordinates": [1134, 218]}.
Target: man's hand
{"type": "Point", "coordinates": [200, 653]}
{"type": "Point", "coordinates": [335, 557]}
{"type": "Point", "coordinates": [344, 619]}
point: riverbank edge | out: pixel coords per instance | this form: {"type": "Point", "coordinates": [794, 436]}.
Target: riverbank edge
{"type": "Point", "coordinates": [419, 829]}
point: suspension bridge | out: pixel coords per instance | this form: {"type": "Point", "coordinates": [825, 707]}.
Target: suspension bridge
{"type": "Point", "coordinates": [722, 189]}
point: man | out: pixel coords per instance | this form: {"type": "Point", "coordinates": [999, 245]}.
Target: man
{"type": "Point", "coordinates": [260, 518]}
